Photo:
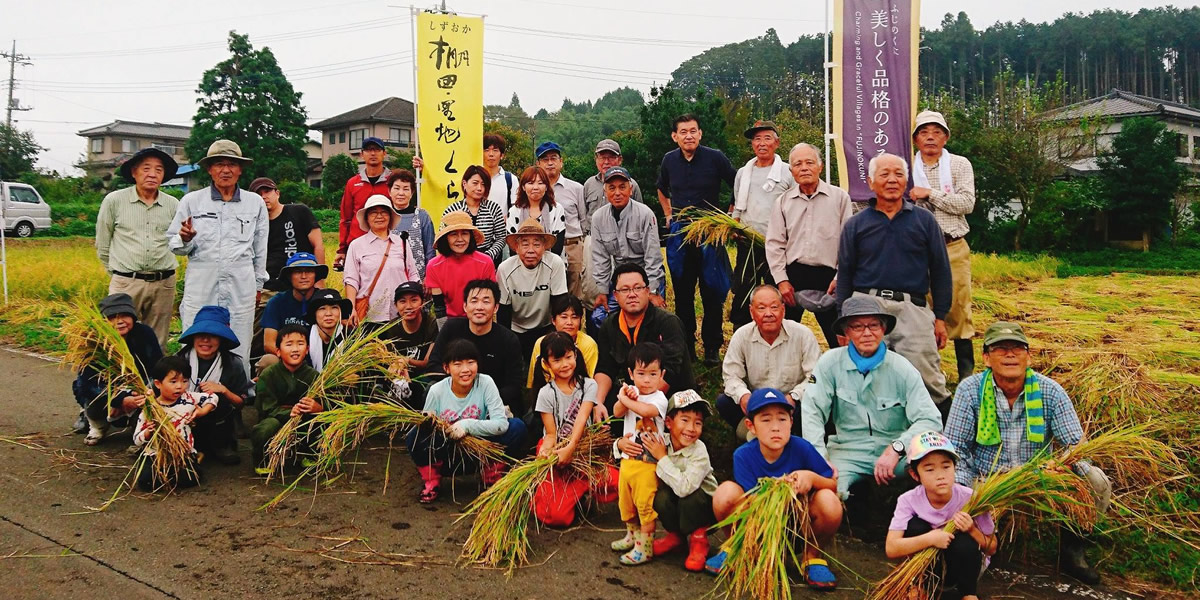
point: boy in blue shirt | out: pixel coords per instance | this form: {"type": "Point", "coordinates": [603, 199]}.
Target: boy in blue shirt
{"type": "Point", "coordinates": [777, 453]}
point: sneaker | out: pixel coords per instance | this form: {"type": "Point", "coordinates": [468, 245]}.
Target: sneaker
{"type": "Point", "coordinates": [714, 565]}
{"type": "Point", "coordinates": [95, 434]}
{"type": "Point", "coordinates": [81, 424]}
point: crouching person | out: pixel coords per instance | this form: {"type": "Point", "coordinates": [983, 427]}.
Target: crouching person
{"type": "Point", "coordinates": [471, 403]}
{"type": "Point", "coordinates": [171, 375]}
{"type": "Point", "coordinates": [686, 483]}
{"type": "Point", "coordinates": [777, 453]}
{"type": "Point", "coordinates": [280, 392]}
{"type": "Point", "coordinates": [214, 369]}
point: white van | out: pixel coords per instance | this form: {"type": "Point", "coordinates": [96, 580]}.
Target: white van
{"type": "Point", "coordinates": [24, 209]}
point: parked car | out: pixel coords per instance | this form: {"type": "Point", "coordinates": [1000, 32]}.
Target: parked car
{"type": "Point", "coordinates": [24, 209]}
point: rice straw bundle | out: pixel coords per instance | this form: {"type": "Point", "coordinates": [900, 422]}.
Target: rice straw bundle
{"type": "Point", "coordinates": [713, 227]}
{"type": "Point", "coordinates": [500, 533]}
{"type": "Point", "coordinates": [769, 520]}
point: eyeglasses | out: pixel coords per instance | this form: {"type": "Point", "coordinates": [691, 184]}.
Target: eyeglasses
{"type": "Point", "coordinates": [861, 327]}
{"type": "Point", "coordinates": [1015, 348]}
{"type": "Point", "coordinates": [637, 289]}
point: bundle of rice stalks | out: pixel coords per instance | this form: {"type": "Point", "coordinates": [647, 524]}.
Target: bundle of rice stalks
{"type": "Point", "coordinates": [713, 227]}
{"type": "Point", "coordinates": [766, 529]}
{"type": "Point", "coordinates": [500, 533]}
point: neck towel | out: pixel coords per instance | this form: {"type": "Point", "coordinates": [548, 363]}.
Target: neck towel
{"type": "Point", "coordinates": [866, 363]}
{"type": "Point", "coordinates": [741, 197]}
{"type": "Point", "coordinates": [214, 372]}
{"type": "Point", "coordinates": [945, 180]}
{"type": "Point", "coordinates": [987, 428]}
{"type": "Point", "coordinates": [316, 346]}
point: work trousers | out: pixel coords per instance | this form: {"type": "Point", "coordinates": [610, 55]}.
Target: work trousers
{"type": "Point", "coordinates": [810, 277]}
{"type": "Point", "coordinates": [713, 302]}
{"type": "Point", "coordinates": [154, 301]}
{"type": "Point", "coordinates": [683, 515]}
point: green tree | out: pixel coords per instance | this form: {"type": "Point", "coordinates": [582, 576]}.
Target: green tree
{"type": "Point", "coordinates": [18, 152]}
{"type": "Point", "coordinates": [246, 98]}
{"type": "Point", "coordinates": [1141, 176]}
{"type": "Point", "coordinates": [338, 169]}
{"type": "Point", "coordinates": [519, 153]}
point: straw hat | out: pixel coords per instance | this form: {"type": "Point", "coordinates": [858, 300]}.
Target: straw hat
{"type": "Point", "coordinates": [224, 149]}
{"type": "Point", "coordinates": [530, 228]}
{"type": "Point", "coordinates": [372, 202]}
{"type": "Point", "coordinates": [458, 221]}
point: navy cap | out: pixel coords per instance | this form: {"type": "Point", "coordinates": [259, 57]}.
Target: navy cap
{"type": "Point", "coordinates": [545, 147]}
{"type": "Point", "coordinates": [763, 397]}
{"type": "Point", "coordinates": [373, 140]}
{"type": "Point", "coordinates": [615, 172]}
{"type": "Point", "coordinates": [408, 287]}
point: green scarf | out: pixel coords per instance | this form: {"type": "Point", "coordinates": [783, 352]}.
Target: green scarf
{"type": "Point", "coordinates": [987, 428]}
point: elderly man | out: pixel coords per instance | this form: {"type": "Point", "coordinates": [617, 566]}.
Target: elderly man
{"type": "Point", "coordinates": [771, 352]}
{"type": "Point", "coordinates": [691, 176]}
{"type": "Point", "coordinates": [370, 180]}
{"type": "Point", "coordinates": [802, 240]}
{"type": "Point", "coordinates": [756, 188]}
{"type": "Point", "coordinates": [608, 155]}
{"type": "Point", "coordinates": [874, 397]}
{"type": "Point", "coordinates": [131, 240]}
{"type": "Point", "coordinates": [894, 250]}
{"type": "Point", "coordinates": [945, 184]}
{"type": "Point", "coordinates": [222, 230]}
{"type": "Point", "coordinates": [529, 281]}
{"type": "Point", "coordinates": [1004, 416]}
{"type": "Point", "coordinates": [623, 232]}
{"type": "Point", "coordinates": [569, 194]}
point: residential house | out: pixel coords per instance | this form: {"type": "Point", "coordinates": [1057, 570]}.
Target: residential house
{"type": "Point", "coordinates": [110, 145]}
{"type": "Point", "coordinates": [391, 120]}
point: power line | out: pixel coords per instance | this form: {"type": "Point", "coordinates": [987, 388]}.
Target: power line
{"type": "Point", "coordinates": [13, 59]}
{"type": "Point", "coordinates": [727, 17]}
{"type": "Point", "coordinates": [569, 35]}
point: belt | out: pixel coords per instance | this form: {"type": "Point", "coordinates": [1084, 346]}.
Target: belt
{"type": "Point", "coordinates": [150, 276]}
{"type": "Point", "coordinates": [950, 239]}
{"type": "Point", "coordinates": [574, 240]}
{"type": "Point", "coordinates": [896, 295]}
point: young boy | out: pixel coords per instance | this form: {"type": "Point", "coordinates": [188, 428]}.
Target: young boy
{"type": "Point", "coordinates": [567, 317]}
{"type": "Point", "coordinates": [923, 511]}
{"type": "Point", "coordinates": [280, 392]}
{"type": "Point", "coordinates": [414, 331]}
{"type": "Point", "coordinates": [684, 504]}
{"type": "Point", "coordinates": [643, 405]}
{"type": "Point", "coordinates": [171, 375]}
{"type": "Point", "coordinates": [775, 452]}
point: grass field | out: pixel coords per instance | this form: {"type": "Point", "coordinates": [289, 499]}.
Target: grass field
{"type": "Point", "coordinates": [1125, 346]}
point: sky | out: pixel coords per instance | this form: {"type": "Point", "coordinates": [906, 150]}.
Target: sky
{"type": "Point", "coordinates": [137, 60]}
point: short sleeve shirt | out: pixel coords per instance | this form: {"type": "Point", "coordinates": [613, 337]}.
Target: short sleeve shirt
{"type": "Point", "coordinates": [564, 408]}
{"type": "Point", "coordinates": [635, 424]}
{"type": "Point", "coordinates": [450, 274]}
{"type": "Point", "coordinates": [415, 344]}
{"type": "Point", "coordinates": [284, 309]}
{"type": "Point", "coordinates": [749, 464]}
{"type": "Point", "coordinates": [528, 291]}
{"type": "Point", "coordinates": [287, 235]}
{"type": "Point", "coordinates": [915, 503]}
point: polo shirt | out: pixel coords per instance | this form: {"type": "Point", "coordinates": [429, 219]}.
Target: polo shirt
{"type": "Point", "coordinates": [695, 182]}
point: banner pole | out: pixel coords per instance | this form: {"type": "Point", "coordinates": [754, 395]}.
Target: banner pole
{"type": "Point", "coordinates": [416, 137]}
{"type": "Point", "coordinates": [825, 70]}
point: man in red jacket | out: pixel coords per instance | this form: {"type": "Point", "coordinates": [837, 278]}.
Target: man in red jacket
{"type": "Point", "coordinates": [371, 180]}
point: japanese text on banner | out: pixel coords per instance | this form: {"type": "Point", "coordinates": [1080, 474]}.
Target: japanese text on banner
{"type": "Point", "coordinates": [449, 105]}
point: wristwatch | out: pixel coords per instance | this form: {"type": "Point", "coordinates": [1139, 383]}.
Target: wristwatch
{"type": "Point", "coordinates": [898, 447]}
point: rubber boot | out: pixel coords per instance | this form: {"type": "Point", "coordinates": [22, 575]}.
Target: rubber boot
{"type": "Point", "coordinates": [697, 550]}
{"type": "Point", "coordinates": [1072, 558]}
{"type": "Point", "coordinates": [491, 473]}
{"type": "Point", "coordinates": [432, 476]}
{"type": "Point", "coordinates": [964, 354]}
{"type": "Point", "coordinates": [625, 543]}
{"type": "Point", "coordinates": [642, 552]}
{"type": "Point", "coordinates": [668, 543]}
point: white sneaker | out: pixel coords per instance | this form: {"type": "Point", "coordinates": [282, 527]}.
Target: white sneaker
{"type": "Point", "coordinates": [96, 432]}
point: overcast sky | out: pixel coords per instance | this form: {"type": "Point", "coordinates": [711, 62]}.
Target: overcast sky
{"type": "Point", "coordinates": [138, 60]}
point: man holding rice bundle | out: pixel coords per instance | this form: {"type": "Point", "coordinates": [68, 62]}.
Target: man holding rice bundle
{"type": "Point", "coordinates": [1005, 416]}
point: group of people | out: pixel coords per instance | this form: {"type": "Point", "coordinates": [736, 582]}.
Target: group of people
{"type": "Point", "coordinates": [538, 307]}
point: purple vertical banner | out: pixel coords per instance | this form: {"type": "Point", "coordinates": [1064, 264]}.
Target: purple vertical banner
{"type": "Point", "coordinates": [874, 85]}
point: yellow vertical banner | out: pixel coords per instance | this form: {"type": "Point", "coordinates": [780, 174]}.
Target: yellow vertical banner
{"type": "Point", "coordinates": [449, 62]}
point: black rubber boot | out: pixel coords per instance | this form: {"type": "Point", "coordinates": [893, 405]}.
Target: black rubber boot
{"type": "Point", "coordinates": [964, 353]}
{"type": "Point", "coordinates": [1072, 558]}
{"type": "Point", "coordinates": [224, 444]}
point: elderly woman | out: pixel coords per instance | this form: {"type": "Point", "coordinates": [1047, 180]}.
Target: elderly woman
{"type": "Point", "coordinates": [535, 200]}
{"type": "Point", "coordinates": [486, 216]}
{"type": "Point", "coordinates": [415, 224]}
{"type": "Point", "coordinates": [208, 347]}
{"type": "Point", "coordinates": [376, 263]}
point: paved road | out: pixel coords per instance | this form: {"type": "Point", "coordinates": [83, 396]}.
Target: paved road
{"type": "Point", "coordinates": [211, 542]}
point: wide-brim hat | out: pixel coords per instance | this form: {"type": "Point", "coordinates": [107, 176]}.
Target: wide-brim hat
{"type": "Point", "coordinates": [458, 221]}
{"type": "Point", "coordinates": [212, 320]}
{"type": "Point", "coordinates": [327, 297]}
{"type": "Point", "coordinates": [119, 303]}
{"type": "Point", "coordinates": [815, 300]}
{"type": "Point", "coordinates": [302, 260]}
{"type": "Point", "coordinates": [530, 228]}
{"type": "Point", "coordinates": [926, 117]}
{"type": "Point", "coordinates": [863, 306]}
{"type": "Point", "coordinates": [170, 167]}
{"type": "Point", "coordinates": [223, 149]}
{"type": "Point", "coordinates": [372, 202]}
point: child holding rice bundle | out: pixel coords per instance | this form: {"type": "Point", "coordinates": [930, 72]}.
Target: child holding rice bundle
{"type": "Point", "coordinates": [565, 405]}
{"type": "Point", "coordinates": [171, 377]}
{"type": "Point", "coordinates": [280, 392]}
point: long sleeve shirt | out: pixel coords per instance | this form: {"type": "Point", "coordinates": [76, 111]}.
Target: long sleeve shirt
{"type": "Point", "coordinates": [489, 219]}
{"type": "Point", "coordinates": [751, 363]}
{"type": "Point", "coordinates": [594, 198]}
{"type": "Point", "coordinates": [869, 412]}
{"type": "Point", "coordinates": [354, 197]}
{"type": "Point", "coordinates": [568, 193]}
{"type": "Point", "coordinates": [806, 229]}
{"type": "Point", "coordinates": [500, 356]}
{"type": "Point", "coordinates": [628, 236]}
{"type": "Point", "coordinates": [1014, 449]}
{"type": "Point", "coordinates": [695, 182]}
{"type": "Point", "coordinates": [687, 470]}
{"type": "Point", "coordinates": [906, 253]}
{"type": "Point", "coordinates": [131, 235]}
{"type": "Point", "coordinates": [363, 260]}
{"type": "Point", "coordinates": [278, 389]}
{"type": "Point", "coordinates": [481, 413]}
{"type": "Point", "coordinates": [186, 404]}
{"type": "Point", "coordinates": [230, 243]}
{"type": "Point", "coordinates": [658, 326]}
{"type": "Point", "coordinates": [951, 209]}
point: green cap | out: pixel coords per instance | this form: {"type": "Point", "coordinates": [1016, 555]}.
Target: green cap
{"type": "Point", "coordinates": [1004, 331]}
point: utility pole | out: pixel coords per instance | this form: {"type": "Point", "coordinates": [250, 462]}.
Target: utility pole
{"type": "Point", "coordinates": [13, 60]}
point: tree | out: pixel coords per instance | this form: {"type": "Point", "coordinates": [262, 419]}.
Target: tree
{"type": "Point", "coordinates": [338, 169]}
{"type": "Point", "coordinates": [519, 153]}
{"type": "Point", "coordinates": [246, 98]}
{"type": "Point", "coordinates": [18, 152]}
{"type": "Point", "coordinates": [1141, 176]}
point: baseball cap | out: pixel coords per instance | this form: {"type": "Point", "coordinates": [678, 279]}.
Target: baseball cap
{"type": "Point", "coordinates": [545, 147]}
{"type": "Point", "coordinates": [607, 145]}
{"type": "Point", "coordinates": [760, 126]}
{"type": "Point", "coordinates": [262, 182]}
{"type": "Point", "coordinates": [373, 140]}
{"type": "Point", "coordinates": [614, 172]}
{"type": "Point", "coordinates": [928, 442]}
{"type": "Point", "coordinates": [1002, 331]}
{"type": "Point", "coordinates": [763, 397]}
{"type": "Point", "coordinates": [408, 287]}
{"type": "Point", "coordinates": [688, 399]}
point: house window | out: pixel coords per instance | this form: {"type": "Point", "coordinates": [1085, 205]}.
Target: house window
{"type": "Point", "coordinates": [1181, 146]}
{"type": "Point", "coordinates": [97, 145]}
{"type": "Point", "coordinates": [342, 137]}
{"type": "Point", "coordinates": [169, 149]}
{"type": "Point", "coordinates": [401, 136]}
{"type": "Point", "coordinates": [333, 138]}
{"type": "Point", "coordinates": [1196, 146]}
{"type": "Point", "coordinates": [128, 146]}
{"type": "Point", "coordinates": [356, 138]}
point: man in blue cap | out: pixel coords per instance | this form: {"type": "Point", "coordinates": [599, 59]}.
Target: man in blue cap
{"type": "Point", "coordinates": [569, 194]}
{"type": "Point", "coordinates": [370, 180]}
{"type": "Point", "coordinates": [301, 273]}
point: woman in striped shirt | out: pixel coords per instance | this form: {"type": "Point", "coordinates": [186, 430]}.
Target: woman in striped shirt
{"type": "Point", "coordinates": [487, 216]}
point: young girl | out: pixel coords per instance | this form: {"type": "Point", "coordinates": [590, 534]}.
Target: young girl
{"type": "Point", "coordinates": [414, 221]}
{"type": "Point", "coordinates": [565, 405]}
{"type": "Point", "coordinates": [486, 215]}
{"type": "Point", "coordinates": [535, 200]}
{"type": "Point", "coordinates": [459, 261]}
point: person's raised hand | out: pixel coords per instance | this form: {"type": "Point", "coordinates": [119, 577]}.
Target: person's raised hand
{"type": "Point", "coordinates": [186, 230]}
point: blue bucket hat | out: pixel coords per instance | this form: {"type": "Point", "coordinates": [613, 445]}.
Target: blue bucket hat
{"type": "Point", "coordinates": [213, 320]}
{"type": "Point", "coordinates": [545, 147]}
{"type": "Point", "coordinates": [302, 260]}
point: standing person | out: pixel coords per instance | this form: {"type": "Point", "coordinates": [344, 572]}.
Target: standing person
{"type": "Point", "coordinates": [458, 262]}
{"type": "Point", "coordinates": [530, 281]}
{"type": "Point", "coordinates": [802, 240]}
{"type": "Point", "coordinates": [568, 194]}
{"type": "Point", "coordinates": [293, 228]}
{"type": "Point", "coordinates": [503, 190]}
{"type": "Point", "coordinates": [945, 184]}
{"type": "Point", "coordinates": [608, 155]}
{"type": "Point", "coordinates": [623, 232]}
{"type": "Point", "coordinates": [377, 263]}
{"type": "Point", "coordinates": [131, 240]}
{"type": "Point", "coordinates": [894, 250]}
{"type": "Point", "coordinates": [222, 230]}
{"type": "Point", "coordinates": [415, 224]}
{"type": "Point", "coordinates": [486, 216]}
{"type": "Point", "coordinates": [535, 200]}
{"type": "Point", "coordinates": [756, 190]}
{"type": "Point", "coordinates": [691, 175]}
{"type": "Point", "coordinates": [370, 181]}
